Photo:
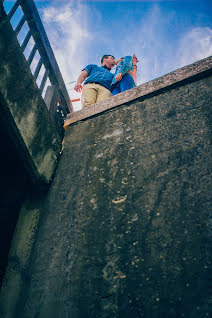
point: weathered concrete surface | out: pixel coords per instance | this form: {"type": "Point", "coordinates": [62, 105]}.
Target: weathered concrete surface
{"type": "Point", "coordinates": [28, 119]}
{"type": "Point", "coordinates": [176, 78]}
{"type": "Point", "coordinates": [13, 184]}
{"type": "Point", "coordinates": [20, 253]}
{"type": "Point", "coordinates": [126, 230]}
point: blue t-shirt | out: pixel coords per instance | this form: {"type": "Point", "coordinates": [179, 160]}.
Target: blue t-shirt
{"type": "Point", "coordinates": [98, 75]}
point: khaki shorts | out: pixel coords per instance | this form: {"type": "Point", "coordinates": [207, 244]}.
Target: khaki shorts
{"type": "Point", "coordinates": [93, 93]}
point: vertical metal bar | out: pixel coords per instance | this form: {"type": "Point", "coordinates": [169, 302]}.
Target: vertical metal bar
{"type": "Point", "coordinates": [13, 9]}
{"type": "Point", "coordinates": [37, 70]}
{"type": "Point", "coordinates": [26, 40]}
{"type": "Point", "coordinates": [43, 82]}
{"type": "Point", "coordinates": [20, 24]}
{"type": "Point", "coordinates": [32, 54]}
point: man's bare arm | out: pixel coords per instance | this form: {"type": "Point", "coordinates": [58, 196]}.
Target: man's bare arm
{"type": "Point", "coordinates": [118, 61]}
{"type": "Point", "coordinates": [81, 78]}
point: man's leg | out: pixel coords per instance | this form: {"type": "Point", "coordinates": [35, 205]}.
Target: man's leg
{"type": "Point", "coordinates": [103, 93]}
{"type": "Point", "coordinates": [116, 90]}
{"type": "Point", "coordinates": [126, 83]}
{"type": "Point", "coordinates": [89, 94]}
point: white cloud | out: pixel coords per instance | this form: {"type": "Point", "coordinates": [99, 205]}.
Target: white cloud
{"type": "Point", "coordinates": [151, 45]}
{"type": "Point", "coordinates": [74, 38]}
{"type": "Point", "coordinates": [67, 30]}
{"type": "Point", "coordinates": [158, 53]}
{"type": "Point", "coordinates": [195, 45]}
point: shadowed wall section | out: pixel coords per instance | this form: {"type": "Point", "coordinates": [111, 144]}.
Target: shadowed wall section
{"type": "Point", "coordinates": [126, 226]}
{"type": "Point", "coordinates": [30, 146]}
{"type": "Point", "coordinates": [12, 192]}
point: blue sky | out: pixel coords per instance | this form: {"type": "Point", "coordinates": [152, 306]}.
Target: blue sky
{"type": "Point", "coordinates": [164, 35]}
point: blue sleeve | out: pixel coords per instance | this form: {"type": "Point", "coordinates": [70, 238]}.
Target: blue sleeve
{"type": "Point", "coordinates": [88, 68]}
{"type": "Point", "coordinates": [125, 65]}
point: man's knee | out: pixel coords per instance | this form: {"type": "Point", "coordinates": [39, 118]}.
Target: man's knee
{"type": "Point", "coordinates": [86, 102]}
{"type": "Point", "coordinates": [89, 95]}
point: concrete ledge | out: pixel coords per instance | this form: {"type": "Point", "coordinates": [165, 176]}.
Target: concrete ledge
{"type": "Point", "coordinates": [188, 73]}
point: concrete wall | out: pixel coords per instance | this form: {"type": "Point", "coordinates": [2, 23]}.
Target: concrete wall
{"type": "Point", "coordinates": [13, 184]}
{"type": "Point", "coordinates": [24, 109]}
{"type": "Point", "coordinates": [30, 147]}
{"type": "Point", "coordinates": [126, 228]}
{"type": "Point", "coordinates": [20, 255]}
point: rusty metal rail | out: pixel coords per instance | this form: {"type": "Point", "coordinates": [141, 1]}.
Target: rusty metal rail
{"type": "Point", "coordinates": [42, 45]}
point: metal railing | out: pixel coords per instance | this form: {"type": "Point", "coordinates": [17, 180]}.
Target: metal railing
{"type": "Point", "coordinates": [46, 56]}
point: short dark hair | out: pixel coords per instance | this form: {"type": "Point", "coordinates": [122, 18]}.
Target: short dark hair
{"type": "Point", "coordinates": [105, 57]}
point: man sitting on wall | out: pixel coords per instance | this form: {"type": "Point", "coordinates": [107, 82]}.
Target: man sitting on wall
{"type": "Point", "coordinates": [97, 83]}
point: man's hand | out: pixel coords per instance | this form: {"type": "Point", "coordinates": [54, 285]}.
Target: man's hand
{"type": "Point", "coordinates": [81, 78]}
{"type": "Point", "coordinates": [78, 88]}
{"type": "Point", "coordinates": [118, 77]}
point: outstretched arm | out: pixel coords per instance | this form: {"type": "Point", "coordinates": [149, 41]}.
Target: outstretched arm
{"type": "Point", "coordinates": [118, 61]}
{"type": "Point", "coordinates": [81, 78]}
